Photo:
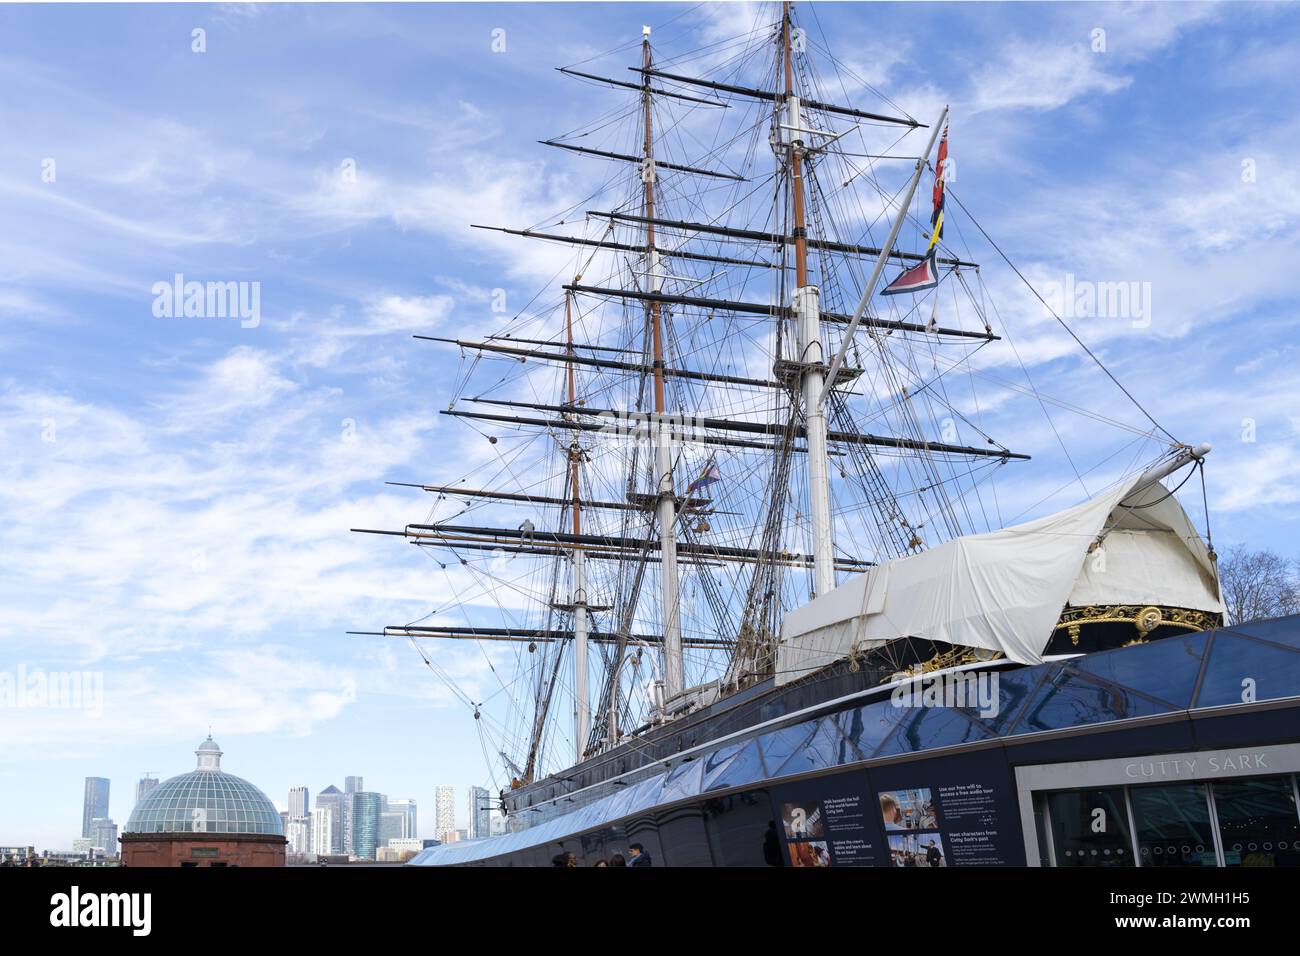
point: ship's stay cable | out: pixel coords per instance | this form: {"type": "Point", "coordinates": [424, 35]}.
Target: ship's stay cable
{"type": "Point", "coordinates": [1078, 341]}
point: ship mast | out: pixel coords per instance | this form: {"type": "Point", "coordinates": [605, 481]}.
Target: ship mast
{"type": "Point", "coordinates": [581, 695]}
{"type": "Point", "coordinates": [666, 505]}
{"type": "Point", "coordinates": [807, 312]}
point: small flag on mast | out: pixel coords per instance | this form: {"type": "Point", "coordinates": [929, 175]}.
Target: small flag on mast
{"type": "Point", "coordinates": [925, 274]}
{"type": "Point", "coordinates": [708, 476]}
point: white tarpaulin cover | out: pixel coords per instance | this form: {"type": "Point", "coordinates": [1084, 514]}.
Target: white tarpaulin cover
{"type": "Point", "coordinates": [1005, 590]}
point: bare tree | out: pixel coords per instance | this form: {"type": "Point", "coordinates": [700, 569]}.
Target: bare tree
{"type": "Point", "coordinates": [1258, 584]}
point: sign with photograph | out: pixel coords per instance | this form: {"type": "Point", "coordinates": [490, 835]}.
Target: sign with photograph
{"type": "Point", "coordinates": [829, 821]}
{"type": "Point", "coordinates": [953, 811]}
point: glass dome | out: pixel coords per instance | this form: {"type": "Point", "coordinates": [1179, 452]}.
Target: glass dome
{"type": "Point", "coordinates": [206, 800]}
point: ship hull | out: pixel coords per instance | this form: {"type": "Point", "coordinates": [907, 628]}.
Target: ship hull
{"type": "Point", "coordinates": [1158, 741]}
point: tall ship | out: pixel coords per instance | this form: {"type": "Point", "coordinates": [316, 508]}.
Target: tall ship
{"type": "Point", "coordinates": [758, 576]}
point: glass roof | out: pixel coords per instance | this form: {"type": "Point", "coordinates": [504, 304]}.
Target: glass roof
{"type": "Point", "coordinates": [205, 801]}
{"type": "Point", "coordinates": [1206, 669]}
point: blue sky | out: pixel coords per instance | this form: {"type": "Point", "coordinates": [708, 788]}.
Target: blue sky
{"type": "Point", "coordinates": [177, 491]}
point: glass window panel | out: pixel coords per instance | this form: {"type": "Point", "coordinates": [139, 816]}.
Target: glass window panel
{"type": "Point", "coordinates": [744, 766]}
{"type": "Point", "coordinates": [1070, 700]}
{"type": "Point", "coordinates": [1280, 630]}
{"type": "Point", "coordinates": [1090, 828]}
{"type": "Point", "coordinates": [1173, 825]}
{"type": "Point", "coordinates": [1166, 669]}
{"type": "Point", "coordinates": [778, 747]}
{"type": "Point", "coordinates": [681, 782]}
{"type": "Point", "coordinates": [1258, 825]}
{"type": "Point", "coordinates": [1015, 686]}
{"type": "Point", "coordinates": [869, 726]}
{"type": "Point", "coordinates": [1238, 664]}
{"type": "Point", "coordinates": [924, 728]}
{"type": "Point", "coordinates": [827, 747]}
{"type": "Point", "coordinates": [645, 794]}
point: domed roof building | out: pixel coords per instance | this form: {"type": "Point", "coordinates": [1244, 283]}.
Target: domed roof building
{"type": "Point", "coordinates": [206, 817]}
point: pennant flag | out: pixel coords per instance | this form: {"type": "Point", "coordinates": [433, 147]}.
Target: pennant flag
{"type": "Point", "coordinates": [925, 274]}
{"type": "Point", "coordinates": [707, 477]}
{"type": "Point", "coordinates": [940, 172]}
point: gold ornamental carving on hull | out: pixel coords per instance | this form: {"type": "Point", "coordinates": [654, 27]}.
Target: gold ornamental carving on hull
{"type": "Point", "coordinates": [1144, 618]}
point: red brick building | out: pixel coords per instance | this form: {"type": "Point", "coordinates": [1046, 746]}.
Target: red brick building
{"type": "Point", "coordinates": [206, 817]}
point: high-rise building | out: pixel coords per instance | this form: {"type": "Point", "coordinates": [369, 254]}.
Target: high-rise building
{"type": "Point", "coordinates": [298, 833]}
{"type": "Point", "coordinates": [480, 810]}
{"type": "Point", "coordinates": [145, 784]}
{"type": "Point", "coordinates": [365, 824]}
{"type": "Point", "coordinates": [408, 807]}
{"type": "Point", "coordinates": [322, 827]}
{"type": "Point", "coordinates": [444, 812]}
{"type": "Point", "coordinates": [95, 803]}
{"type": "Point", "coordinates": [351, 785]}
{"type": "Point", "coordinates": [299, 799]}
{"type": "Point", "coordinates": [338, 804]}
{"type": "Point", "coordinates": [392, 826]}
{"type": "Point", "coordinates": [103, 834]}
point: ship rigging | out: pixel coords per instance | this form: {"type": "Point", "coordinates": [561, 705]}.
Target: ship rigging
{"type": "Point", "coordinates": [743, 421]}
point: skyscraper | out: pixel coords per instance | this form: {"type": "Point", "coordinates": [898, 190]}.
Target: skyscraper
{"type": "Point", "coordinates": [392, 826]}
{"type": "Point", "coordinates": [365, 824]}
{"type": "Point", "coordinates": [336, 802]}
{"type": "Point", "coordinates": [407, 806]}
{"type": "Point", "coordinates": [103, 834]}
{"type": "Point", "coordinates": [299, 799]}
{"type": "Point", "coordinates": [144, 786]}
{"type": "Point", "coordinates": [480, 810]}
{"type": "Point", "coordinates": [444, 812]}
{"type": "Point", "coordinates": [298, 833]}
{"type": "Point", "coordinates": [351, 785]}
{"type": "Point", "coordinates": [322, 827]}
{"type": "Point", "coordinates": [95, 803]}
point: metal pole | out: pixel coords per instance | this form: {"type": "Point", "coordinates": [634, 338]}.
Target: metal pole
{"type": "Point", "coordinates": [884, 253]}
{"type": "Point", "coordinates": [582, 703]}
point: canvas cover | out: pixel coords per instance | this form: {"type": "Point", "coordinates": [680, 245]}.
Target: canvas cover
{"type": "Point", "coordinates": [1005, 590]}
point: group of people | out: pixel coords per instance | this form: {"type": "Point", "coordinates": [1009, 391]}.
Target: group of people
{"type": "Point", "coordinates": [636, 856]}
{"type": "Point", "coordinates": [930, 855]}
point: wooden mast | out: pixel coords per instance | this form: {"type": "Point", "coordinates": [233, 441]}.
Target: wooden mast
{"type": "Point", "coordinates": [796, 161]}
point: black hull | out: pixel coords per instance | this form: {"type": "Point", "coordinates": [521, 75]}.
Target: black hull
{"type": "Point", "coordinates": [1189, 745]}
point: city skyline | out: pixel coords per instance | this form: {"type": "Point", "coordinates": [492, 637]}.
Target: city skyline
{"type": "Point", "coordinates": [97, 799]}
